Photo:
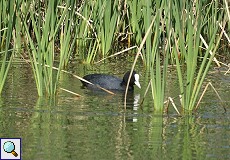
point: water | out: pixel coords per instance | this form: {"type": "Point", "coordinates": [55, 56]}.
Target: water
{"type": "Point", "coordinates": [96, 126]}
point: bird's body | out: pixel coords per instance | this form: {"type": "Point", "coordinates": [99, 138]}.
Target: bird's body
{"type": "Point", "coordinates": [111, 82]}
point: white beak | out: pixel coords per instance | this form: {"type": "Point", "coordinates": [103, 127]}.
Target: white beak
{"type": "Point", "coordinates": [136, 77]}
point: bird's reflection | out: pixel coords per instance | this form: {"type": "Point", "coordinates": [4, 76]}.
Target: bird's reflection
{"type": "Point", "coordinates": [132, 101]}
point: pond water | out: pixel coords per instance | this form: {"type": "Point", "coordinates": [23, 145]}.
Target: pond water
{"type": "Point", "coordinates": [96, 126]}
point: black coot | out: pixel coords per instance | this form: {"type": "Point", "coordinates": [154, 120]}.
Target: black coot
{"type": "Point", "coordinates": [111, 82]}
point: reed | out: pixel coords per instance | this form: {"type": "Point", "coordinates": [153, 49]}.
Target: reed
{"type": "Point", "coordinates": [187, 37]}
{"type": "Point", "coordinates": [155, 59]}
{"type": "Point", "coordinates": [97, 28]}
{"type": "Point", "coordinates": [134, 17]}
{"type": "Point", "coordinates": [177, 36]}
{"type": "Point", "coordinates": [105, 17]}
{"type": "Point", "coordinates": [158, 59]}
{"type": "Point", "coordinates": [162, 44]}
{"type": "Point", "coordinates": [183, 33]}
{"type": "Point", "coordinates": [7, 19]}
{"type": "Point", "coordinates": [55, 28]}
{"type": "Point", "coordinates": [87, 43]}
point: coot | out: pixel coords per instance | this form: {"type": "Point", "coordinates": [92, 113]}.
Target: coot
{"type": "Point", "coordinates": [111, 82]}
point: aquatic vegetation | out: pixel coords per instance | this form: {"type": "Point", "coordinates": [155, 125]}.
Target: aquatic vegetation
{"type": "Point", "coordinates": [184, 34]}
{"type": "Point", "coordinates": [179, 30]}
{"type": "Point", "coordinates": [56, 28]}
{"type": "Point", "coordinates": [188, 43]}
{"type": "Point", "coordinates": [7, 20]}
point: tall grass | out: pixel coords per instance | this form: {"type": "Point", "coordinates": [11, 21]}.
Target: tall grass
{"type": "Point", "coordinates": [183, 33]}
{"type": "Point", "coordinates": [7, 23]}
{"type": "Point", "coordinates": [86, 34]}
{"type": "Point", "coordinates": [177, 35]}
{"type": "Point", "coordinates": [56, 28]}
{"type": "Point", "coordinates": [106, 24]}
{"type": "Point", "coordinates": [188, 34]}
{"type": "Point", "coordinates": [156, 58]}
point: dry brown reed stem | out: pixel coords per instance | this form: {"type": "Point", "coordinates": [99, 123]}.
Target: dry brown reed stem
{"type": "Point", "coordinates": [173, 104]}
{"type": "Point", "coordinates": [227, 9]}
{"type": "Point", "coordinates": [146, 91]}
{"type": "Point", "coordinates": [125, 50]}
{"type": "Point", "coordinates": [202, 95]}
{"type": "Point", "coordinates": [66, 90]}
{"type": "Point", "coordinates": [227, 70]}
{"type": "Point", "coordinates": [226, 35]}
{"type": "Point", "coordinates": [206, 45]}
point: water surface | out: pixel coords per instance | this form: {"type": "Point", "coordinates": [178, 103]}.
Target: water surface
{"type": "Point", "coordinates": [96, 126]}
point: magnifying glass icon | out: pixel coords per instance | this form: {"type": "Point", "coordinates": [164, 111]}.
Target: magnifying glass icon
{"type": "Point", "coordinates": [9, 147]}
